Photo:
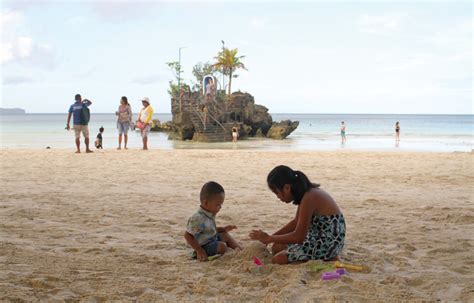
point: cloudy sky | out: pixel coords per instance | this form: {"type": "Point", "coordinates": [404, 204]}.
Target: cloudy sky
{"type": "Point", "coordinates": [314, 57]}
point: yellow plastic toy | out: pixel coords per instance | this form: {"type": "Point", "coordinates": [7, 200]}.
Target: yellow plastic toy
{"type": "Point", "coordinates": [350, 266]}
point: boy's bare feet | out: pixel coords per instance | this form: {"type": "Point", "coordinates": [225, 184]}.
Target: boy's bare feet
{"type": "Point", "coordinates": [78, 152]}
{"type": "Point", "coordinates": [119, 148]}
{"type": "Point", "coordinates": [89, 151]}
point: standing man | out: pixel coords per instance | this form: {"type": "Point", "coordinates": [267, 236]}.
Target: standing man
{"type": "Point", "coordinates": [80, 112]}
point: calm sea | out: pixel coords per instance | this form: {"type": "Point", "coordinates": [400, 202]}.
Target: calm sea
{"type": "Point", "coordinates": [316, 132]}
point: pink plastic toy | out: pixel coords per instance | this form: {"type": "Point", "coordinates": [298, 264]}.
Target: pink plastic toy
{"type": "Point", "coordinates": [341, 271]}
{"type": "Point", "coordinates": [330, 276]}
{"type": "Point", "coordinates": [257, 261]}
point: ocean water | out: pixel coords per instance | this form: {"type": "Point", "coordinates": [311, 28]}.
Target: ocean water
{"type": "Point", "coordinates": [446, 133]}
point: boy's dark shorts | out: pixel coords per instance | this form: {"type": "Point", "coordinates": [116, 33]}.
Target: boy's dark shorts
{"type": "Point", "coordinates": [211, 247]}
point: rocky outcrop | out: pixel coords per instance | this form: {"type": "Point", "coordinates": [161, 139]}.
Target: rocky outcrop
{"type": "Point", "coordinates": [281, 130]}
{"type": "Point", "coordinates": [223, 113]}
{"type": "Point", "coordinates": [162, 127]}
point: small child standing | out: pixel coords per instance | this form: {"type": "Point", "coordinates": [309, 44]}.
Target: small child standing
{"type": "Point", "coordinates": [98, 139]}
{"type": "Point", "coordinates": [202, 234]}
{"type": "Point", "coordinates": [235, 134]}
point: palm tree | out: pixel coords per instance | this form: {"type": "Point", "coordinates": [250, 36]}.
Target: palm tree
{"type": "Point", "coordinates": [229, 62]}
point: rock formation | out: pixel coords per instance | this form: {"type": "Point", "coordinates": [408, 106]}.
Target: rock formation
{"type": "Point", "coordinates": [212, 120]}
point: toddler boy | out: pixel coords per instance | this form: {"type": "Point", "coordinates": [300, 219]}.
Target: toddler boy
{"type": "Point", "coordinates": [202, 234]}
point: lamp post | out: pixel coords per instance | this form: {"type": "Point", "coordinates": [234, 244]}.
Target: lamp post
{"type": "Point", "coordinates": [223, 68]}
{"type": "Point", "coordinates": [179, 77]}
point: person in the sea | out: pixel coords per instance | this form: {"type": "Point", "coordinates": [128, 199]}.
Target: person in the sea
{"type": "Point", "coordinates": [318, 230]}
{"type": "Point", "coordinates": [201, 233]}
{"type": "Point", "coordinates": [397, 132]}
{"type": "Point", "coordinates": [235, 134]}
{"type": "Point", "coordinates": [79, 111]}
{"type": "Point", "coordinates": [98, 139]}
{"type": "Point", "coordinates": [145, 122]}
{"type": "Point", "coordinates": [124, 121]}
{"type": "Point", "coordinates": [343, 132]}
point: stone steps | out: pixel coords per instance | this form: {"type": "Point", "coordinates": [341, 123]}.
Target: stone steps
{"type": "Point", "coordinates": [211, 132]}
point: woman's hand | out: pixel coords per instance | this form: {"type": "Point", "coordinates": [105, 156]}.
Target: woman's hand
{"type": "Point", "coordinates": [261, 236]}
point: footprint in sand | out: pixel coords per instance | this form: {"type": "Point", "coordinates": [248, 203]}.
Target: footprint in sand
{"type": "Point", "coordinates": [39, 283]}
{"type": "Point", "coordinates": [415, 281]}
{"type": "Point", "coordinates": [135, 293]}
{"type": "Point", "coordinates": [96, 250]}
{"type": "Point", "coordinates": [342, 289]}
{"type": "Point", "coordinates": [370, 201]}
{"type": "Point", "coordinates": [71, 250]}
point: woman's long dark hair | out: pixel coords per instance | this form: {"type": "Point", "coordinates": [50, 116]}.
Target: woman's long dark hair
{"type": "Point", "coordinates": [125, 100]}
{"type": "Point", "coordinates": [300, 184]}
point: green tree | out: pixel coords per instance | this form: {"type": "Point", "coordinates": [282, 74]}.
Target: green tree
{"type": "Point", "coordinates": [175, 68]}
{"type": "Point", "coordinates": [173, 90]}
{"type": "Point", "coordinates": [229, 62]}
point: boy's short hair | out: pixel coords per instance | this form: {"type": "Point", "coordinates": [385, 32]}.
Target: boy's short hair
{"type": "Point", "coordinates": [101, 129]}
{"type": "Point", "coordinates": [209, 189]}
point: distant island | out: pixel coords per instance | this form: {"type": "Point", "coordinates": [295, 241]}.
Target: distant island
{"type": "Point", "coordinates": [12, 111]}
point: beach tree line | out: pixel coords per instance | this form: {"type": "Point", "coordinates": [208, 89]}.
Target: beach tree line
{"type": "Point", "coordinates": [226, 63]}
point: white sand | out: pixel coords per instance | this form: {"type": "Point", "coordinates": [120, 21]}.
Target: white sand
{"type": "Point", "coordinates": [109, 225]}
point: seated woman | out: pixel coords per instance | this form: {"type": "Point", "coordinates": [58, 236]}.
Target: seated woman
{"type": "Point", "coordinates": [318, 230]}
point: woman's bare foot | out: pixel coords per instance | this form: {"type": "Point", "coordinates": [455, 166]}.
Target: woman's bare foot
{"type": "Point", "coordinates": [89, 151]}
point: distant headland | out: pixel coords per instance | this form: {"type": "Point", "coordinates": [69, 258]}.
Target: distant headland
{"type": "Point", "coordinates": [12, 111]}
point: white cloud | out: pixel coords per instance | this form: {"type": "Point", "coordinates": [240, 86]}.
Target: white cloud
{"type": "Point", "coordinates": [9, 18]}
{"type": "Point", "coordinates": [411, 63]}
{"type": "Point", "coordinates": [15, 80]}
{"type": "Point", "coordinates": [24, 47]}
{"type": "Point", "coordinates": [379, 24]}
{"type": "Point", "coordinates": [460, 56]}
{"type": "Point", "coordinates": [120, 11]}
{"type": "Point", "coordinates": [257, 23]}
{"type": "Point", "coordinates": [21, 49]}
{"type": "Point", "coordinates": [6, 52]}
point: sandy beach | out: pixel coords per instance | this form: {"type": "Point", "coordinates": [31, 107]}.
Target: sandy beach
{"type": "Point", "coordinates": [109, 226]}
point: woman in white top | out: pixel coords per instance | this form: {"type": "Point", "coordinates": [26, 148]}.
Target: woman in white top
{"type": "Point", "coordinates": [145, 122]}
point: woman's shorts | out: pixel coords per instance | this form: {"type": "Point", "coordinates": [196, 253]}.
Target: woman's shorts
{"type": "Point", "coordinates": [123, 127]}
{"type": "Point", "coordinates": [145, 131]}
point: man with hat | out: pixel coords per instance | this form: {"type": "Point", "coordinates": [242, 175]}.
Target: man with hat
{"type": "Point", "coordinates": [145, 122]}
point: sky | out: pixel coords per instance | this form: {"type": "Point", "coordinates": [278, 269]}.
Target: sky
{"type": "Point", "coordinates": [394, 57]}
